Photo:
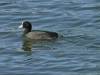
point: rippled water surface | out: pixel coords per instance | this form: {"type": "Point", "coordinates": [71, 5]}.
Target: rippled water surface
{"type": "Point", "coordinates": [77, 53]}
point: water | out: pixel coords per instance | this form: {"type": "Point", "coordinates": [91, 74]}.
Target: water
{"type": "Point", "coordinates": [77, 53]}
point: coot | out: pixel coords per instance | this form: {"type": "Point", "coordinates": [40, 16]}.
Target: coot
{"type": "Point", "coordinates": [36, 34]}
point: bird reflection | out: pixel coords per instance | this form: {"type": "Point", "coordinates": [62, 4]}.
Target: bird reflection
{"type": "Point", "coordinates": [29, 44]}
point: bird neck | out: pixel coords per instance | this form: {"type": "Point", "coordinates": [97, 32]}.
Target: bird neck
{"type": "Point", "coordinates": [26, 31]}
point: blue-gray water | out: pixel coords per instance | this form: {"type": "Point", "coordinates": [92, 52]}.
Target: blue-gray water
{"type": "Point", "coordinates": [77, 53]}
